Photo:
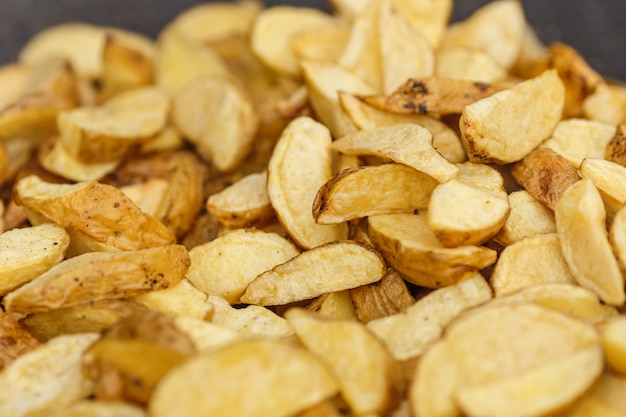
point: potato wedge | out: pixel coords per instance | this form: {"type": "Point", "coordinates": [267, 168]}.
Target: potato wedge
{"type": "Point", "coordinates": [408, 144]}
{"type": "Point", "coordinates": [374, 388]}
{"type": "Point", "coordinates": [410, 333]}
{"type": "Point", "coordinates": [268, 367]}
{"type": "Point", "coordinates": [334, 305]}
{"type": "Point", "coordinates": [467, 64]}
{"type": "Point", "coordinates": [320, 43]}
{"type": "Point", "coordinates": [205, 335]}
{"type": "Point", "coordinates": [80, 279]}
{"type": "Point", "coordinates": [47, 378]}
{"type": "Point", "coordinates": [617, 238]}
{"type": "Point", "coordinates": [15, 340]}
{"type": "Point", "coordinates": [342, 199]}
{"type": "Point", "coordinates": [408, 244]}
{"type": "Point", "coordinates": [105, 213]}
{"type": "Point", "coordinates": [608, 177]}
{"type": "Point", "coordinates": [530, 261]}
{"type": "Point", "coordinates": [308, 274]}
{"type": "Point", "coordinates": [496, 129]}
{"type": "Point", "coordinates": [612, 334]}
{"type": "Point", "coordinates": [29, 252]}
{"type": "Point", "coordinates": [300, 165]}
{"type": "Point", "coordinates": [607, 104]}
{"type": "Point", "coordinates": [180, 299]}
{"type": "Point", "coordinates": [430, 18]}
{"type": "Point", "coordinates": [388, 296]}
{"type": "Point", "coordinates": [218, 117]}
{"type": "Point", "coordinates": [226, 265]}
{"type": "Point", "coordinates": [580, 224]}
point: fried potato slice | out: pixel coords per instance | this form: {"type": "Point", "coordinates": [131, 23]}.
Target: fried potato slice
{"type": "Point", "coordinates": [205, 335]}
{"type": "Point", "coordinates": [409, 144]}
{"type": "Point", "coordinates": [180, 299]}
{"type": "Point", "coordinates": [307, 275]}
{"type": "Point", "coordinates": [105, 213]}
{"type": "Point", "coordinates": [410, 333]}
{"type": "Point", "coordinates": [324, 80]}
{"type": "Point", "coordinates": [607, 104]}
{"type": "Point", "coordinates": [545, 174]}
{"type": "Point", "coordinates": [147, 195]}
{"type": "Point", "coordinates": [617, 238]}
{"type": "Point", "coordinates": [481, 349]}
{"type": "Point", "coordinates": [132, 356]}
{"type": "Point", "coordinates": [106, 133]}
{"type": "Point", "coordinates": [334, 305]}
{"type": "Point", "coordinates": [608, 177]}
{"type": "Point", "coordinates": [404, 51]}
{"type": "Point", "coordinates": [15, 340]}
{"type": "Point", "coordinates": [616, 148]}
{"type": "Point", "coordinates": [408, 244]}
{"type": "Point", "coordinates": [533, 55]}
{"type": "Point", "coordinates": [528, 217]}
{"type": "Point", "coordinates": [94, 408]}
{"type": "Point", "coordinates": [366, 117]}
{"type": "Point", "coordinates": [219, 118]}
{"type": "Point", "coordinates": [567, 298]}
{"type": "Point", "coordinates": [246, 203]}
{"type": "Point", "coordinates": [467, 64]}
{"type": "Point", "coordinates": [80, 279]}
{"type": "Point", "coordinates": [613, 337]}
{"type": "Point", "coordinates": [342, 198]}
{"type": "Point", "coordinates": [226, 265]}
{"type": "Point", "coordinates": [371, 390]}
{"type": "Point", "coordinates": [530, 261]}
{"type": "Point", "coordinates": [577, 139]}
{"type": "Point", "coordinates": [497, 28]}
{"type": "Point", "coordinates": [47, 378]}
{"type": "Point", "coordinates": [249, 322]}
{"type": "Point", "coordinates": [430, 18]}
{"type": "Point", "coordinates": [272, 33]}
{"type": "Point", "coordinates": [388, 296]}
{"type": "Point", "coordinates": [495, 129]}
{"type": "Point", "coordinates": [269, 367]}
{"type": "Point", "coordinates": [323, 43]}
{"type": "Point", "coordinates": [580, 224]}
{"type": "Point", "coordinates": [604, 399]}
{"type": "Point", "coordinates": [29, 252]}
{"type": "Point", "coordinates": [301, 163]}
{"type": "Point", "coordinates": [14, 79]}
{"type": "Point", "coordinates": [91, 317]}
{"type": "Point", "coordinates": [470, 209]}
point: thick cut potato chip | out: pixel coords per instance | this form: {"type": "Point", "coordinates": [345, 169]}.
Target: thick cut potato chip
{"type": "Point", "coordinates": [15, 340]}
{"type": "Point", "coordinates": [410, 333]}
{"type": "Point", "coordinates": [388, 296]}
{"type": "Point", "coordinates": [482, 349]}
{"type": "Point", "coordinates": [226, 265]}
{"type": "Point", "coordinates": [373, 388]}
{"type": "Point", "coordinates": [241, 377]}
{"type": "Point", "coordinates": [497, 129]}
{"type": "Point", "coordinates": [29, 252]}
{"type": "Point", "coordinates": [613, 336]}
{"type": "Point", "coordinates": [428, 17]}
{"type": "Point", "coordinates": [334, 305]}
{"type": "Point", "coordinates": [99, 276]}
{"type": "Point", "coordinates": [530, 261]}
{"type": "Point", "coordinates": [180, 299]}
{"type": "Point", "coordinates": [47, 378]}
{"type": "Point", "coordinates": [609, 178]}
{"type": "Point", "coordinates": [330, 267]}
{"type": "Point", "coordinates": [326, 43]}
{"type": "Point", "coordinates": [300, 165]}
{"type": "Point", "coordinates": [341, 198]}
{"type": "Point", "coordinates": [218, 116]}
{"type": "Point", "coordinates": [467, 64]}
{"type": "Point", "coordinates": [409, 144]}
{"type": "Point", "coordinates": [580, 224]}
{"type": "Point", "coordinates": [408, 244]}
{"type": "Point", "coordinates": [205, 335]}
{"type": "Point", "coordinates": [545, 174]}
{"type": "Point", "coordinates": [607, 104]}
{"type": "Point", "coordinates": [100, 211]}
{"type": "Point", "coordinates": [498, 28]}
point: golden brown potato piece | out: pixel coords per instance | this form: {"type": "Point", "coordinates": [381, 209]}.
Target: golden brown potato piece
{"type": "Point", "coordinates": [99, 276]}
{"type": "Point", "coordinates": [334, 305]}
{"type": "Point", "coordinates": [180, 299]}
{"type": "Point", "coordinates": [15, 340]}
{"type": "Point", "coordinates": [545, 175]}
{"type": "Point", "coordinates": [616, 148]}
{"type": "Point", "coordinates": [607, 104]}
{"type": "Point", "coordinates": [99, 211]}
{"type": "Point", "coordinates": [467, 64]}
{"type": "Point", "coordinates": [609, 178]}
{"type": "Point", "coordinates": [528, 217]}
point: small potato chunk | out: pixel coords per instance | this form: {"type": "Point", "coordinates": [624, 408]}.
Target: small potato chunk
{"type": "Point", "coordinates": [580, 224]}
{"type": "Point", "coordinates": [240, 379]}
{"type": "Point", "coordinates": [408, 244]}
{"type": "Point", "coordinates": [613, 336]}
{"type": "Point", "coordinates": [99, 276]}
{"type": "Point", "coordinates": [29, 252]}
{"type": "Point", "coordinates": [497, 129]}
{"type": "Point", "coordinates": [528, 217]}
{"type": "Point", "coordinates": [15, 340]}
{"type": "Point", "coordinates": [226, 265]}
{"type": "Point", "coordinates": [371, 389]}
{"type": "Point", "coordinates": [331, 267]}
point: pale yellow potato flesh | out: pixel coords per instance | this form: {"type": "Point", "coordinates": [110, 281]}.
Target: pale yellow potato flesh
{"type": "Point", "coordinates": [613, 337]}
{"type": "Point", "coordinates": [527, 217]}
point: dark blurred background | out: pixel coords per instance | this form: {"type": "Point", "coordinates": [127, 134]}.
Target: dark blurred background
{"type": "Point", "coordinates": [597, 28]}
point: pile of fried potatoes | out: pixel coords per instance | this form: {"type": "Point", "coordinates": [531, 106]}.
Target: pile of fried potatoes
{"type": "Point", "coordinates": [281, 212]}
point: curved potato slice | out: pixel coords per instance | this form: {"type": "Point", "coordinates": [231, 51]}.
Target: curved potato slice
{"type": "Point", "coordinates": [408, 244]}
{"type": "Point", "coordinates": [300, 165]}
{"type": "Point", "coordinates": [609, 178]}
{"type": "Point", "coordinates": [392, 188]}
{"type": "Point", "coordinates": [496, 129]}
{"type": "Point", "coordinates": [226, 265]}
{"type": "Point", "coordinates": [331, 267]}
{"type": "Point", "coordinates": [99, 276]}
{"type": "Point", "coordinates": [218, 117]}
{"type": "Point", "coordinates": [29, 252]}
{"type": "Point", "coordinates": [240, 378]}
{"type": "Point", "coordinates": [580, 224]}
{"type": "Point", "coordinates": [373, 389]}
{"type": "Point", "coordinates": [409, 144]}
{"type": "Point", "coordinates": [100, 211]}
